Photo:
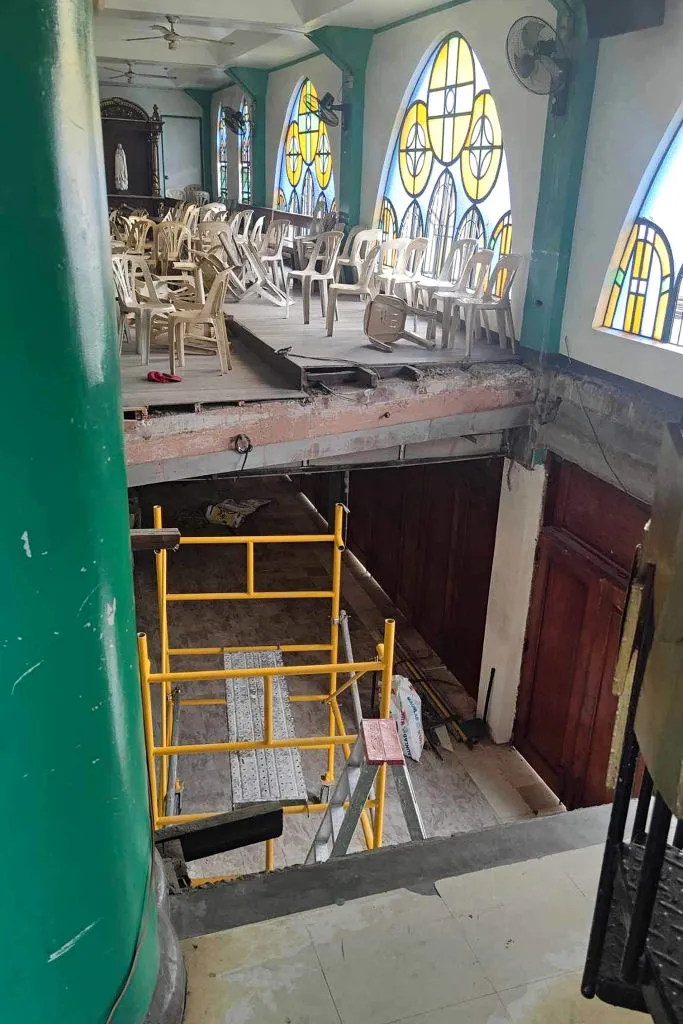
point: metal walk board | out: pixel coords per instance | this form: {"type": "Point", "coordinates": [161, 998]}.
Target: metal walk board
{"type": "Point", "coordinates": [261, 775]}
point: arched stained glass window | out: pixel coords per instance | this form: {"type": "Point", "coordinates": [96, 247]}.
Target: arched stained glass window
{"type": "Point", "coordinates": [222, 149]}
{"type": "Point", "coordinates": [244, 149]}
{"type": "Point", "coordinates": [448, 172]}
{"type": "Point", "coordinates": [304, 179]}
{"type": "Point", "coordinates": [643, 293]}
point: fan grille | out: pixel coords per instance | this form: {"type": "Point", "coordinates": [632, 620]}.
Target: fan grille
{"type": "Point", "coordinates": [536, 56]}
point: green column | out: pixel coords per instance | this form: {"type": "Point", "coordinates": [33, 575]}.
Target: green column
{"type": "Point", "coordinates": [203, 97]}
{"type": "Point", "coordinates": [561, 169]}
{"type": "Point", "coordinates": [254, 81]}
{"type": "Point", "coordinates": [76, 831]}
{"type": "Point", "coordinates": [349, 48]}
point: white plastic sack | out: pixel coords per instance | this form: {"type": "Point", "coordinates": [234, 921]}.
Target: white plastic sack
{"type": "Point", "coordinates": [406, 710]}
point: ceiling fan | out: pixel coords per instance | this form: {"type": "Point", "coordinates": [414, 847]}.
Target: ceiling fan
{"type": "Point", "coordinates": [129, 75]}
{"type": "Point", "coordinates": [171, 36]}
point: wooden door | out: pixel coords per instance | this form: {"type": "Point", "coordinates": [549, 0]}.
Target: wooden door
{"type": "Point", "coordinates": [566, 707]}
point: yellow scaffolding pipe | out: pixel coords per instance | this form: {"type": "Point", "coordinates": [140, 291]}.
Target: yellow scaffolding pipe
{"type": "Point", "coordinates": [337, 735]}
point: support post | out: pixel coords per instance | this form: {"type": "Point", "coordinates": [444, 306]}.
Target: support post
{"type": "Point", "coordinates": [204, 98]}
{"type": "Point", "coordinates": [79, 915]}
{"type": "Point", "coordinates": [349, 49]}
{"type": "Point", "coordinates": [558, 196]}
{"type": "Point", "coordinates": [254, 81]}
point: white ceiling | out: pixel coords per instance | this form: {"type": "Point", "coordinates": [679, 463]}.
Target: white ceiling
{"type": "Point", "coordinates": [274, 34]}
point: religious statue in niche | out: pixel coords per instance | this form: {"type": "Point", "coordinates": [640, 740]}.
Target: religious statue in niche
{"type": "Point", "coordinates": [120, 169]}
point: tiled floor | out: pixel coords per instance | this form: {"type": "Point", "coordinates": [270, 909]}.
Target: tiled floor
{"type": "Point", "coordinates": [504, 946]}
{"type": "Point", "coordinates": [458, 790]}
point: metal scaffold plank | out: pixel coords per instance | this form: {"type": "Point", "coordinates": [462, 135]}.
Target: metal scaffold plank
{"type": "Point", "coordinates": [261, 775]}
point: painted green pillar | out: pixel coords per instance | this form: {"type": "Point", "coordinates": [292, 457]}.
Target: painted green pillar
{"type": "Point", "coordinates": [561, 170]}
{"type": "Point", "coordinates": [349, 49]}
{"type": "Point", "coordinates": [76, 831]}
{"type": "Point", "coordinates": [254, 81]}
{"type": "Point", "coordinates": [203, 97]}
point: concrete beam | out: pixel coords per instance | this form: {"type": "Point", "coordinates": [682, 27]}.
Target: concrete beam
{"type": "Point", "coordinates": [311, 423]}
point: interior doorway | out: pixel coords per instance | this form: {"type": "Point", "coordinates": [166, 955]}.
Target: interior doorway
{"type": "Point", "coordinates": [566, 707]}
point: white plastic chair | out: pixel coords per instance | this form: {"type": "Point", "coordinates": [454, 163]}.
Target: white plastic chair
{"type": "Point", "coordinates": [469, 290]}
{"type": "Point", "coordinates": [241, 223]}
{"type": "Point", "coordinates": [451, 273]}
{"type": "Point", "coordinates": [385, 323]}
{"type": "Point", "coordinates": [256, 232]}
{"type": "Point", "coordinates": [325, 252]}
{"type": "Point", "coordinates": [358, 243]}
{"type": "Point", "coordinates": [141, 301]}
{"type": "Point", "coordinates": [208, 315]}
{"type": "Point", "coordinates": [212, 212]}
{"type": "Point", "coordinates": [496, 299]}
{"type": "Point", "coordinates": [408, 271]}
{"type": "Point", "coordinates": [173, 243]}
{"type": "Point", "coordinates": [365, 287]}
{"type": "Point", "coordinates": [190, 217]}
{"type": "Point", "coordinates": [141, 235]}
{"type": "Point", "coordinates": [272, 246]}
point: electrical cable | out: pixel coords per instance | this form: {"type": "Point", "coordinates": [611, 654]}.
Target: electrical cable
{"type": "Point", "coordinates": [243, 446]}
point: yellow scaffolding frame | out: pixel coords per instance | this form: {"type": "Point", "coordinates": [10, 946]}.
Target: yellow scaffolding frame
{"type": "Point", "coordinates": [372, 818]}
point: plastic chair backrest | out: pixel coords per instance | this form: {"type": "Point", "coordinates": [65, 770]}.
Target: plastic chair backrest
{"type": "Point", "coordinates": [363, 242]}
{"type": "Point", "coordinates": [348, 249]}
{"type": "Point", "coordinates": [461, 251]}
{"type": "Point", "coordinates": [474, 277]}
{"type": "Point", "coordinates": [413, 256]}
{"type": "Point", "coordinates": [215, 300]}
{"type": "Point", "coordinates": [325, 251]}
{"type": "Point", "coordinates": [502, 277]}
{"type": "Point", "coordinates": [137, 267]}
{"type": "Point", "coordinates": [122, 283]}
{"type": "Point", "coordinates": [211, 211]}
{"type": "Point", "coordinates": [369, 266]}
{"type": "Point", "coordinates": [256, 234]}
{"type": "Point", "coordinates": [275, 237]}
{"type": "Point", "coordinates": [171, 238]}
{"type": "Point", "coordinates": [391, 251]}
{"type": "Point", "coordinates": [241, 223]}
{"type": "Point", "coordinates": [191, 217]}
{"type": "Point", "coordinates": [138, 234]}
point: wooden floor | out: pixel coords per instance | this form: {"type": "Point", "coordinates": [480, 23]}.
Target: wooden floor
{"type": "Point", "coordinates": [255, 379]}
{"type": "Point", "coordinates": [250, 380]}
{"type": "Point", "coordinates": [311, 348]}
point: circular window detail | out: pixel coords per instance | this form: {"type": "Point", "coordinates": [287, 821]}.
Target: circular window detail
{"type": "Point", "coordinates": [293, 161]}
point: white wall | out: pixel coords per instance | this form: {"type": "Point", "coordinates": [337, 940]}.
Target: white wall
{"type": "Point", "coordinates": [326, 77]}
{"type": "Point", "coordinates": [638, 91]}
{"type": "Point", "coordinates": [172, 103]}
{"type": "Point", "coordinates": [392, 68]}
{"type": "Point", "coordinates": [519, 520]}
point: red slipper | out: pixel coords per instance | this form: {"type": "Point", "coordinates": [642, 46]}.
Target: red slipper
{"type": "Point", "coordinates": [163, 378]}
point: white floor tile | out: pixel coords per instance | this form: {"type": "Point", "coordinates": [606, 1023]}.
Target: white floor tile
{"type": "Point", "coordinates": [387, 972]}
{"type": "Point", "coordinates": [582, 866]}
{"type": "Point", "coordinates": [486, 1010]}
{"type": "Point", "coordinates": [399, 910]}
{"type": "Point", "coordinates": [559, 1001]}
{"type": "Point", "coordinates": [261, 974]}
{"type": "Point", "coordinates": [530, 939]}
{"type": "Point", "coordinates": [528, 880]}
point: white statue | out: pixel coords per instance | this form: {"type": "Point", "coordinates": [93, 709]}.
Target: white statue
{"type": "Point", "coordinates": [120, 169]}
